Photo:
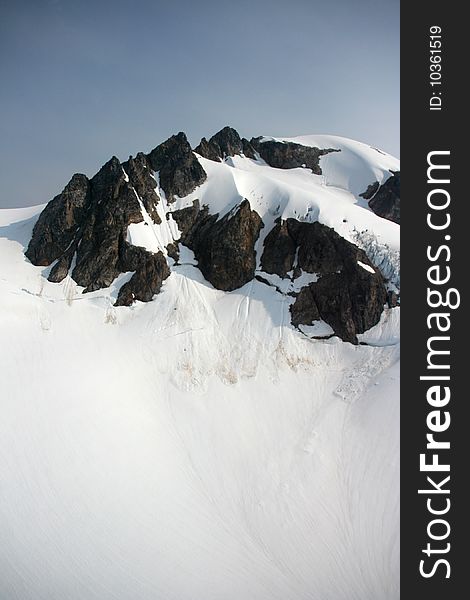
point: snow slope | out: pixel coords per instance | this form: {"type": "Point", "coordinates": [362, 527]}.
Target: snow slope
{"type": "Point", "coordinates": [198, 446]}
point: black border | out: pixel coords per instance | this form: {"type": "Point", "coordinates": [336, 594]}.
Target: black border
{"type": "Point", "coordinates": [423, 131]}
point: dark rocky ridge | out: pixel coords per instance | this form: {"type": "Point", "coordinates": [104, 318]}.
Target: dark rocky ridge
{"type": "Point", "coordinates": [346, 296]}
{"type": "Point", "coordinates": [384, 199]}
{"type": "Point", "coordinates": [288, 155]}
{"type": "Point", "coordinates": [85, 229]}
{"type": "Point", "coordinates": [89, 220]}
{"type": "Point", "coordinates": [224, 143]}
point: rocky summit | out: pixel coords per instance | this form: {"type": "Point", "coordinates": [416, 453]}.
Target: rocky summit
{"type": "Point", "coordinates": [265, 209]}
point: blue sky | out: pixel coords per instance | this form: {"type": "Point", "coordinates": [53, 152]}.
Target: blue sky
{"type": "Point", "coordinates": [83, 80]}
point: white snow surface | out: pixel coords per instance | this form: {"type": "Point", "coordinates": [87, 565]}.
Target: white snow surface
{"type": "Point", "coordinates": [365, 267]}
{"type": "Point", "coordinates": [198, 446]}
{"type": "Point", "coordinates": [356, 165]}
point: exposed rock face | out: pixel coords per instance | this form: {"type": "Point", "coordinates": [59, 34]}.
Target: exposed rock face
{"type": "Point", "coordinates": [62, 267]}
{"type": "Point", "coordinates": [347, 296]}
{"type": "Point", "coordinates": [59, 221]}
{"type": "Point", "coordinates": [350, 305]}
{"type": "Point", "coordinates": [318, 248]}
{"type": "Point", "coordinates": [224, 143]}
{"type": "Point", "coordinates": [150, 272]}
{"type": "Point", "coordinates": [248, 149]}
{"type": "Point", "coordinates": [228, 142]}
{"type": "Point", "coordinates": [304, 311]}
{"type": "Point", "coordinates": [114, 206]}
{"type": "Point", "coordinates": [208, 150]}
{"type": "Point", "coordinates": [179, 170]}
{"type": "Point", "coordinates": [89, 221]}
{"type": "Point", "coordinates": [288, 155]}
{"type": "Point", "coordinates": [279, 250]}
{"type": "Point", "coordinates": [384, 199]}
{"type": "Point", "coordinates": [141, 178]}
{"type": "Point", "coordinates": [225, 248]}
{"type": "Point", "coordinates": [190, 219]}
{"type": "Point", "coordinates": [370, 191]}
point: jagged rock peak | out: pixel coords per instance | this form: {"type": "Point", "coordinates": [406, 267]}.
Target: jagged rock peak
{"type": "Point", "coordinates": [179, 170]}
{"type": "Point", "coordinates": [289, 155]}
{"type": "Point", "coordinates": [88, 221]}
{"type": "Point", "coordinates": [226, 142]}
{"type": "Point", "coordinates": [85, 227]}
{"type": "Point", "coordinates": [59, 221]}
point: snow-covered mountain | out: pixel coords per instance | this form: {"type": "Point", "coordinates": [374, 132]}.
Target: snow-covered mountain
{"type": "Point", "coordinates": [217, 415]}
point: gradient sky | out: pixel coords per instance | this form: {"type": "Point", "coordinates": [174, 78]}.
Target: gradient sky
{"type": "Point", "coordinates": [82, 80]}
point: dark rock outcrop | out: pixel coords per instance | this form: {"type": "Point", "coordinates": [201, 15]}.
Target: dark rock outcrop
{"type": "Point", "coordinates": [142, 179]}
{"type": "Point", "coordinates": [321, 250]}
{"type": "Point", "coordinates": [225, 142]}
{"type": "Point", "coordinates": [370, 191]}
{"type": "Point", "coordinates": [62, 267]}
{"type": "Point", "coordinates": [150, 272]}
{"type": "Point", "coordinates": [347, 296]}
{"type": "Point", "coordinates": [288, 155]}
{"type": "Point", "coordinates": [318, 248]}
{"type": "Point", "coordinates": [89, 221]}
{"type": "Point", "coordinates": [59, 221]}
{"type": "Point", "coordinates": [179, 170]}
{"type": "Point", "coordinates": [279, 250]}
{"type": "Point", "coordinates": [384, 199]}
{"type": "Point", "coordinates": [224, 248]}
{"type": "Point", "coordinates": [207, 150]}
{"type": "Point", "coordinates": [173, 251]}
{"type": "Point", "coordinates": [191, 219]}
{"type": "Point", "coordinates": [351, 302]}
{"type": "Point", "coordinates": [228, 142]}
{"type": "Point", "coordinates": [114, 206]}
{"type": "Point", "coordinates": [85, 227]}
{"type": "Point", "coordinates": [304, 311]}
{"type": "Point", "coordinates": [248, 149]}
